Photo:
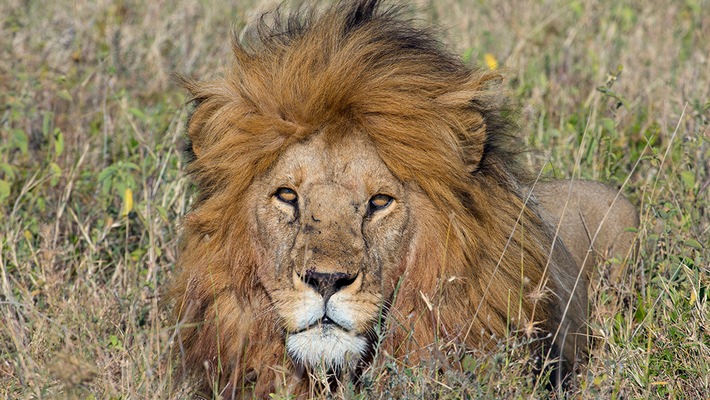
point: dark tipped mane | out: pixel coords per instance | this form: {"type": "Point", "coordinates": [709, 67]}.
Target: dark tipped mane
{"type": "Point", "coordinates": [367, 54]}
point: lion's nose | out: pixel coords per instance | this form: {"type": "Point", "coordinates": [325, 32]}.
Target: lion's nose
{"type": "Point", "coordinates": [328, 284]}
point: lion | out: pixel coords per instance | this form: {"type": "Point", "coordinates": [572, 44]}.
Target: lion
{"type": "Point", "coordinates": [361, 194]}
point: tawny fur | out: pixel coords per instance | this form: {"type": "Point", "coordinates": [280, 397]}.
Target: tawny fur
{"type": "Point", "coordinates": [482, 260]}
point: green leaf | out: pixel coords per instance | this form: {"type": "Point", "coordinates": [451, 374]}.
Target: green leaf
{"type": "Point", "coordinates": [106, 173]}
{"type": "Point", "coordinates": [640, 313]}
{"type": "Point", "coordinates": [162, 212]}
{"type": "Point", "coordinates": [467, 55]}
{"type": "Point", "coordinates": [64, 94]}
{"type": "Point", "coordinates": [4, 191]}
{"type": "Point", "coordinates": [130, 165]}
{"type": "Point", "coordinates": [55, 173]}
{"type": "Point", "coordinates": [468, 363]}
{"type": "Point", "coordinates": [46, 123]}
{"type": "Point", "coordinates": [577, 8]}
{"type": "Point", "coordinates": [688, 178]}
{"type": "Point", "coordinates": [662, 214]}
{"type": "Point", "coordinates": [58, 142]}
{"type": "Point", "coordinates": [609, 125]}
{"type": "Point", "coordinates": [105, 187]}
{"type": "Point", "coordinates": [694, 244]}
{"type": "Point", "coordinates": [21, 140]}
{"type": "Point", "coordinates": [137, 113]}
{"type": "Point", "coordinates": [605, 90]}
{"type": "Point", "coordinates": [137, 254]}
{"type": "Point", "coordinates": [114, 342]}
{"type": "Point", "coordinates": [8, 170]}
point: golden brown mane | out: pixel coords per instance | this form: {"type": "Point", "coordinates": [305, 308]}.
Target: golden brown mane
{"type": "Point", "coordinates": [435, 122]}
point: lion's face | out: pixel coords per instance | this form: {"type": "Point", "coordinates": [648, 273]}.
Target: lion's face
{"type": "Point", "coordinates": [333, 227]}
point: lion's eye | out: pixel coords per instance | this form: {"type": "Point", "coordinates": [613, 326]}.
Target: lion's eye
{"type": "Point", "coordinates": [379, 202]}
{"type": "Point", "coordinates": [286, 195]}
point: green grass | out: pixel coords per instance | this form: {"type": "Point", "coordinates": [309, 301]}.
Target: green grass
{"type": "Point", "coordinates": [92, 184]}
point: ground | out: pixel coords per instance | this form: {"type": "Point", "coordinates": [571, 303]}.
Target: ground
{"type": "Point", "coordinates": [92, 183]}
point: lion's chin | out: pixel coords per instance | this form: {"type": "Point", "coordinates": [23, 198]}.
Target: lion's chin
{"type": "Point", "coordinates": [326, 346]}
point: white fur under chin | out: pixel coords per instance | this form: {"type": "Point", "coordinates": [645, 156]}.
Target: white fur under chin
{"type": "Point", "coordinates": [325, 347]}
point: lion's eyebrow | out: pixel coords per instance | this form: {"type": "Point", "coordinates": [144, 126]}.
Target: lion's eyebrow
{"type": "Point", "coordinates": [294, 179]}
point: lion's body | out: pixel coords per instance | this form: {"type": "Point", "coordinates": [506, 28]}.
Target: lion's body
{"type": "Point", "coordinates": [594, 220]}
{"type": "Point", "coordinates": [354, 178]}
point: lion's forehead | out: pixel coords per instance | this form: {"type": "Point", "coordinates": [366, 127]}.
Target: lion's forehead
{"type": "Point", "coordinates": [351, 162]}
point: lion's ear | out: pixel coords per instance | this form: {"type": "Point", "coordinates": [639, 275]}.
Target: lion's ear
{"type": "Point", "coordinates": [471, 125]}
{"type": "Point", "coordinates": [193, 145]}
{"type": "Point", "coordinates": [197, 115]}
{"type": "Point", "coordinates": [476, 105]}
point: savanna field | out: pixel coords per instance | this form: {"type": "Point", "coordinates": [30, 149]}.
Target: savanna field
{"type": "Point", "coordinates": [92, 185]}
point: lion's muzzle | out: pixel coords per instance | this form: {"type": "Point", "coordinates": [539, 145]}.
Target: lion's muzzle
{"type": "Point", "coordinates": [328, 336]}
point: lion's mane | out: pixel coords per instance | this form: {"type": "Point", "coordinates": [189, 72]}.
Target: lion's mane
{"type": "Point", "coordinates": [434, 121]}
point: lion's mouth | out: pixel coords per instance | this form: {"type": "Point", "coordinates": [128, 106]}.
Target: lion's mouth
{"type": "Point", "coordinates": [324, 323]}
{"type": "Point", "coordinates": [326, 344]}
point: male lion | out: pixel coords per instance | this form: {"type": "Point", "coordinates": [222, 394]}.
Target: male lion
{"type": "Point", "coordinates": [360, 193]}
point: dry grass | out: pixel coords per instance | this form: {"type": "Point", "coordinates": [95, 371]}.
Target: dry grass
{"type": "Point", "coordinates": [91, 184]}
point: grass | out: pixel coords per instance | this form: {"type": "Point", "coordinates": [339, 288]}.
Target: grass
{"type": "Point", "coordinates": [91, 184]}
